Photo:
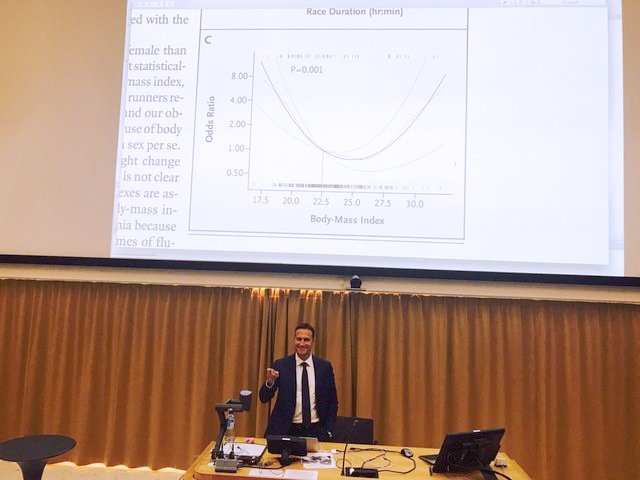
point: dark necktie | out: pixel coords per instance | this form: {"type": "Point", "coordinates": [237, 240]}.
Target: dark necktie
{"type": "Point", "coordinates": [306, 399]}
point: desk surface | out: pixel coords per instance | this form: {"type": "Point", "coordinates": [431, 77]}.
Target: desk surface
{"type": "Point", "coordinates": [201, 470]}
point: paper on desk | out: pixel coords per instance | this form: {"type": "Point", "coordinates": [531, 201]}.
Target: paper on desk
{"type": "Point", "coordinates": [288, 474]}
{"type": "Point", "coordinates": [264, 473]}
{"type": "Point", "coordinates": [319, 460]}
{"type": "Point", "coordinates": [251, 449]}
{"type": "Point", "coordinates": [300, 475]}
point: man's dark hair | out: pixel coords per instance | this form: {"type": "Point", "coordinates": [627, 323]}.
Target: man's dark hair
{"type": "Point", "coordinates": [306, 326]}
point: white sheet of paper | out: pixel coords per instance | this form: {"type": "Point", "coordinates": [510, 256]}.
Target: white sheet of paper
{"type": "Point", "coordinates": [252, 449]}
{"type": "Point", "coordinates": [288, 474]}
{"type": "Point", "coordinates": [301, 475]}
{"type": "Point", "coordinates": [259, 472]}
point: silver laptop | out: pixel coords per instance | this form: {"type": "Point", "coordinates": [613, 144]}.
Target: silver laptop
{"type": "Point", "coordinates": [312, 444]}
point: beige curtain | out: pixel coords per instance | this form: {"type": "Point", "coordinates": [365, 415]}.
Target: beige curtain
{"type": "Point", "coordinates": [132, 372]}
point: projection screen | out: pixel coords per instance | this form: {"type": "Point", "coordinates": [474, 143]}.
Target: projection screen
{"type": "Point", "coordinates": [423, 136]}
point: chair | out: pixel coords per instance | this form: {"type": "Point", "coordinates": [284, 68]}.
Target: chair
{"type": "Point", "coordinates": [362, 433]}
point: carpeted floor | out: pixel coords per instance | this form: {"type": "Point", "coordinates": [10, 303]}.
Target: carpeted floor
{"type": "Point", "coordinates": [96, 471]}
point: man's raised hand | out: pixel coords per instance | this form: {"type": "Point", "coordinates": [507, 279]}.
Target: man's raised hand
{"type": "Point", "coordinates": [272, 375]}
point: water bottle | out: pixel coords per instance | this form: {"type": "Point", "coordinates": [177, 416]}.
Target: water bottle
{"type": "Point", "coordinates": [230, 434]}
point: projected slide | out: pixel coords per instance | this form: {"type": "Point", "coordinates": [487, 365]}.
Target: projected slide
{"type": "Point", "coordinates": [392, 137]}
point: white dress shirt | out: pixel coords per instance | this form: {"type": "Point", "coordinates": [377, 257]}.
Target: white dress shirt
{"type": "Point", "coordinates": [297, 414]}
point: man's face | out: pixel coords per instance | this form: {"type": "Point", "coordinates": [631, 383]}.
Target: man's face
{"type": "Point", "coordinates": [303, 342]}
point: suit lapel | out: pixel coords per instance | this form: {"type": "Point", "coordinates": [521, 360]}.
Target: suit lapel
{"type": "Point", "coordinates": [318, 367]}
{"type": "Point", "coordinates": [291, 365]}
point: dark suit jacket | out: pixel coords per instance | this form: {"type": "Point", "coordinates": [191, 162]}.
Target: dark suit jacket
{"type": "Point", "coordinates": [282, 413]}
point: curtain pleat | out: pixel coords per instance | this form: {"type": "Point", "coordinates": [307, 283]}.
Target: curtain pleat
{"type": "Point", "coordinates": [133, 372]}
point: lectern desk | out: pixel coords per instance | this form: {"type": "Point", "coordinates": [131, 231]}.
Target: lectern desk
{"type": "Point", "coordinates": [201, 470]}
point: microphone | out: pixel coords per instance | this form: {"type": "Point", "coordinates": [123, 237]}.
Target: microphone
{"type": "Point", "coordinates": [344, 472]}
{"type": "Point", "coordinates": [245, 399]}
{"type": "Point", "coordinates": [355, 472]}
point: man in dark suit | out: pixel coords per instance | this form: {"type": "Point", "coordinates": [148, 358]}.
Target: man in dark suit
{"type": "Point", "coordinates": [307, 403]}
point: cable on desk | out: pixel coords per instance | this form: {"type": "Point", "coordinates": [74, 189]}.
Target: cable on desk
{"type": "Point", "coordinates": [383, 455]}
{"type": "Point", "coordinates": [384, 469]}
{"type": "Point", "coordinates": [398, 471]}
{"type": "Point", "coordinates": [267, 466]}
{"type": "Point", "coordinates": [372, 449]}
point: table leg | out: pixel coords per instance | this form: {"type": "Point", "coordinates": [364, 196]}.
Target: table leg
{"type": "Point", "coordinates": [32, 470]}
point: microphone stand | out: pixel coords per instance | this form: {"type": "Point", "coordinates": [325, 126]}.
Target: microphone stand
{"type": "Point", "coordinates": [344, 472]}
{"type": "Point", "coordinates": [355, 472]}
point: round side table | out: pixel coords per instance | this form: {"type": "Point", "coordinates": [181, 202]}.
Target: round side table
{"type": "Point", "coordinates": [33, 452]}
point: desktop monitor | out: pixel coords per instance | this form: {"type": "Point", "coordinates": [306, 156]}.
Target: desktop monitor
{"type": "Point", "coordinates": [286, 447]}
{"type": "Point", "coordinates": [468, 451]}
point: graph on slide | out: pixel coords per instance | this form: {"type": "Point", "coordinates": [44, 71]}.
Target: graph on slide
{"type": "Point", "coordinates": [333, 119]}
{"type": "Point", "coordinates": [325, 127]}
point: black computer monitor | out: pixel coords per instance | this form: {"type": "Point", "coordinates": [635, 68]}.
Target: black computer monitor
{"type": "Point", "coordinates": [286, 446]}
{"type": "Point", "coordinates": [468, 451]}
